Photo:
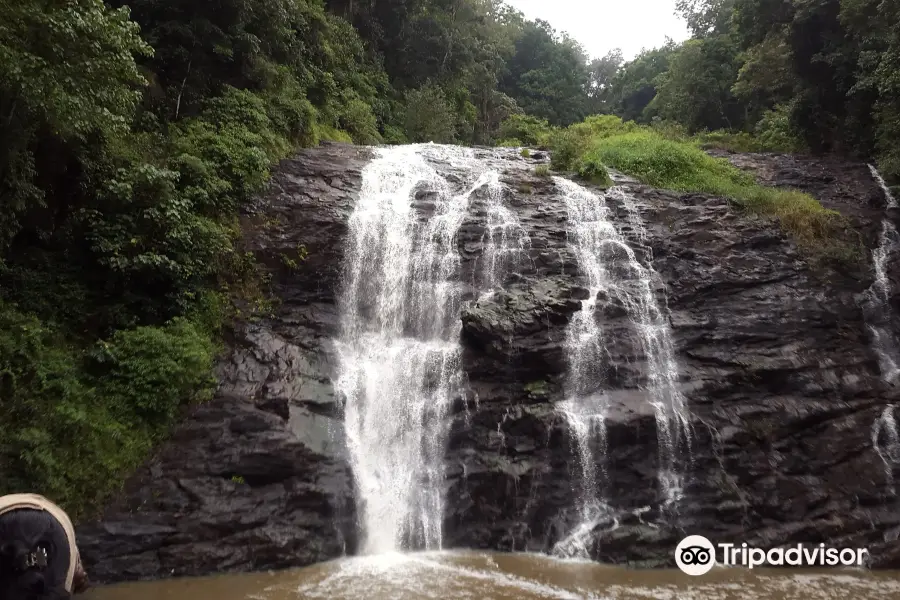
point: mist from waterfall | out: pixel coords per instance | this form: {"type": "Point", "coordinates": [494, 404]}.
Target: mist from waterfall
{"type": "Point", "coordinates": [399, 350]}
{"type": "Point", "coordinates": [613, 274]}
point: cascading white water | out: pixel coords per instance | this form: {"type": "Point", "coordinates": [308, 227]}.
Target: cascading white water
{"type": "Point", "coordinates": [399, 352]}
{"type": "Point", "coordinates": [613, 272]}
{"type": "Point", "coordinates": [876, 302]}
{"type": "Point", "coordinates": [672, 419]}
{"type": "Point", "coordinates": [878, 314]}
{"type": "Point", "coordinates": [877, 305]}
{"type": "Point", "coordinates": [590, 232]}
{"type": "Point", "coordinates": [505, 243]}
{"type": "Point", "coordinates": [890, 201]}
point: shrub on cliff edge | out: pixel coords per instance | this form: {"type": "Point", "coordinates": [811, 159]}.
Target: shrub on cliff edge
{"type": "Point", "coordinates": [75, 422]}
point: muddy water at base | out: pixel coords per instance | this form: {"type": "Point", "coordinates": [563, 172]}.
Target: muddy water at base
{"type": "Point", "coordinates": [494, 576]}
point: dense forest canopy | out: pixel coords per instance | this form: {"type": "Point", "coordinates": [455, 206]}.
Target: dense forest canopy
{"type": "Point", "coordinates": [131, 133]}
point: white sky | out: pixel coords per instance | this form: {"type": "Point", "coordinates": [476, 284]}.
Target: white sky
{"type": "Point", "coordinates": [601, 25]}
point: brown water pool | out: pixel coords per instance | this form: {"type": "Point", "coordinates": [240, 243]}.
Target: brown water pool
{"type": "Point", "coordinates": [495, 576]}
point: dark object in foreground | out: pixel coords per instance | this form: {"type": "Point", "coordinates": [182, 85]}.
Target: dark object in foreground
{"type": "Point", "coordinates": [38, 556]}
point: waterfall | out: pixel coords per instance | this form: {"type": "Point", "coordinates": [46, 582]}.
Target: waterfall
{"type": "Point", "coordinates": [505, 242]}
{"type": "Point", "coordinates": [399, 353]}
{"type": "Point", "coordinates": [876, 300]}
{"type": "Point", "coordinates": [890, 201]}
{"type": "Point", "coordinates": [590, 231]}
{"type": "Point", "coordinates": [878, 314]}
{"type": "Point", "coordinates": [877, 308]}
{"type": "Point", "coordinates": [613, 274]}
{"type": "Point", "coordinates": [398, 348]}
{"type": "Point", "coordinates": [672, 422]}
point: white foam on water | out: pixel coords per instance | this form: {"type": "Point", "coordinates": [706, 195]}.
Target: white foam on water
{"type": "Point", "coordinates": [424, 576]}
{"type": "Point", "coordinates": [469, 575]}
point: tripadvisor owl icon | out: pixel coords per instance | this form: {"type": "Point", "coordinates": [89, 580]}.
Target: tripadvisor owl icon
{"type": "Point", "coordinates": [695, 555]}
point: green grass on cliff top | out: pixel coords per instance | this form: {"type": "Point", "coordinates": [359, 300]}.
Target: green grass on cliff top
{"type": "Point", "coordinates": [683, 167]}
{"type": "Point", "coordinates": [675, 161]}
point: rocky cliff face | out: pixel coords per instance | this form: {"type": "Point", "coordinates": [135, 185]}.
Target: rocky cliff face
{"type": "Point", "coordinates": [774, 358]}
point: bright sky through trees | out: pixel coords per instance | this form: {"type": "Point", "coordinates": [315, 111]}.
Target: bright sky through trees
{"type": "Point", "coordinates": [601, 25]}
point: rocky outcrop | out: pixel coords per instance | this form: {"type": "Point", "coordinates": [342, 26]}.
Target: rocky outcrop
{"type": "Point", "coordinates": [257, 478]}
{"type": "Point", "coordinates": [774, 360]}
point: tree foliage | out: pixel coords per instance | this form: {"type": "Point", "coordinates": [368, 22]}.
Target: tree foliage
{"type": "Point", "coordinates": [695, 90]}
{"type": "Point", "coordinates": [601, 74]}
{"type": "Point", "coordinates": [823, 73]}
{"type": "Point", "coordinates": [548, 75]}
{"type": "Point", "coordinates": [634, 86]}
{"type": "Point", "coordinates": [429, 116]}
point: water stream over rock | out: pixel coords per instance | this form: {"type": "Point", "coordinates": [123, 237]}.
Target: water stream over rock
{"type": "Point", "coordinates": [890, 201]}
{"type": "Point", "coordinates": [505, 243]}
{"type": "Point", "coordinates": [618, 286]}
{"type": "Point", "coordinates": [399, 351]}
{"type": "Point", "coordinates": [651, 317]}
{"type": "Point", "coordinates": [876, 303]}
{"type": "Point", "coordinates": [878, 312]}
{"type": "Point", "coordinates": [886, 441]}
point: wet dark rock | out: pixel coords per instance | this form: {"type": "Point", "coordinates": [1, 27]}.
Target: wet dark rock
{"type": "Point", "coordinates": [774, 361]}
{"type": "Point", "coordinates": [257, 478]}
{"type": "Point", "coordinates": [845, 186]}
{"type": "Point", "coordinates": [521, 329]}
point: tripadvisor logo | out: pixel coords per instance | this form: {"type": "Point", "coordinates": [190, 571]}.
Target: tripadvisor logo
{"type": "Point", "coordinates": [696, 555]}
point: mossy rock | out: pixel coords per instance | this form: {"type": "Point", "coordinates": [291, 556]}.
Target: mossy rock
{"type": "Point", "coordinates": [539, 389]}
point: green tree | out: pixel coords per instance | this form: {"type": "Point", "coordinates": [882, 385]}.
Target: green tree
{"type": "Point", "coordinates": [765, 77]}
{"type": "Point", "coordinates": [121, 173]}
{"type": "Point", "coordinates": [548, 75]}
{"type": "Point", "coordinates": [429, 116]}
{"type": "Point", "coordinates": [696, 89]}
{"type": "Point", "coordinates": [602, 72]}
{"type": "Point", "coordinates": [635, 85]}
{"type": "Point", "coordinates": [59, 90]}
{"type": "Point", "coordinates": [706, 17]}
